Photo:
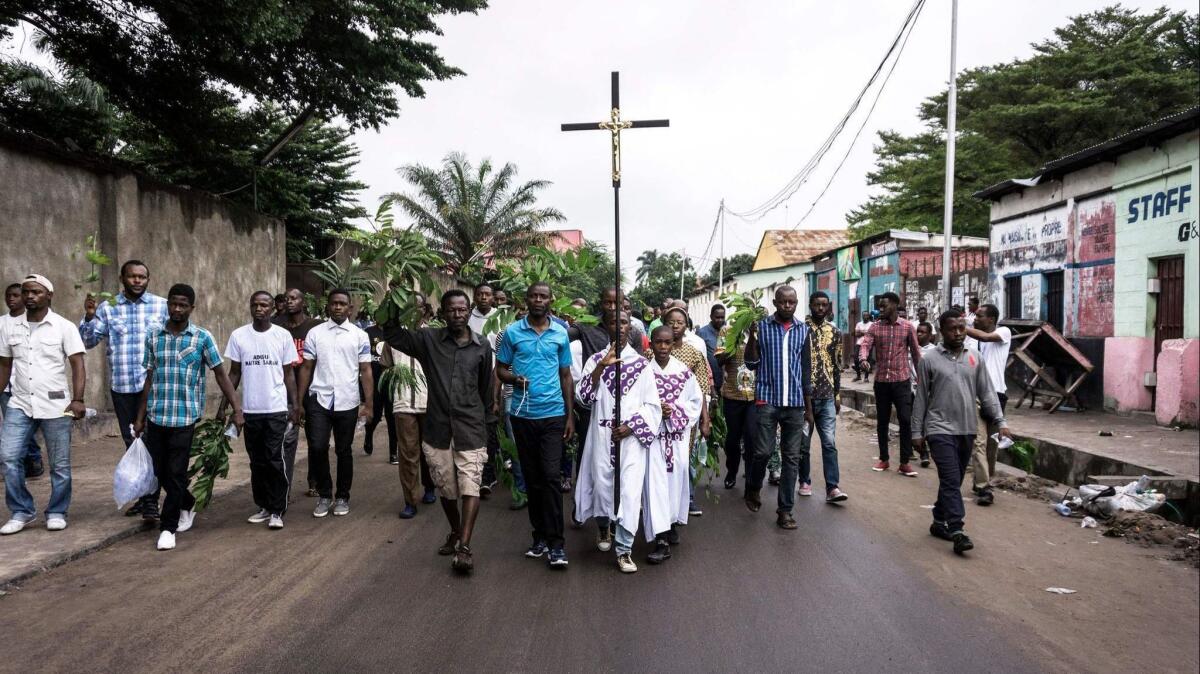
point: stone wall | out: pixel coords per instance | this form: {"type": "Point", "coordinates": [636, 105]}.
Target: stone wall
{"type": "Point", "coordinates": [51, 200]}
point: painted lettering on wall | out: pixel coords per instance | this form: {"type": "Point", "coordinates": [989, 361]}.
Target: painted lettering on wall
{"type": "Point", "coordinates": [1189, 230]}
{"type": "Point", "coordinates": [1159, 204]}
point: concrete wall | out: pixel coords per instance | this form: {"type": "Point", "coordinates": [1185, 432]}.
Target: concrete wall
{"type": "Point", "coordinates": [1126, 360]}
{"type": "Point", "coordinates": [1178, 387]}
{"type": "Point", "coordinates": [921, 271]}
{"type": "Point", "coordinates": [51, 200]}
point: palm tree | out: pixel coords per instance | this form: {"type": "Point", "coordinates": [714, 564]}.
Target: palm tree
{"type": "Point", "coordinates": [467, 212]}
{"type": "Point", "coordinates": [646, 262]}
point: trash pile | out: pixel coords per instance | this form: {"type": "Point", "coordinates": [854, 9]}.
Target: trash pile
{"type": "Point", "coordinates": [1148, 529]}
{"type": "Point", "coordinates": [1128, 512]}
{"type": "Point", "coordinates": [1031, 486]}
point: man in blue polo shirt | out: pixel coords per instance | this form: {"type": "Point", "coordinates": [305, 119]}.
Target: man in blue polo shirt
{"type": "Point", "coordinates": [535, 358]}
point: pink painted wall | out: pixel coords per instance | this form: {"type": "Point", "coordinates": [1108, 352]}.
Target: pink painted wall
{"type": "Point", "coordinates": [1177, 399]}
{"type": "Point", "coordinates": [1126, 360]}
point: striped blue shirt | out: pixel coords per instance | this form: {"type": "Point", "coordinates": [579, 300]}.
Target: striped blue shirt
{"type": "Point", "coordinates": [179, 366]}
{"type": "Point", "coordinates": [783, 363]}
{"type": "Point", "coordinates": [125, 325]}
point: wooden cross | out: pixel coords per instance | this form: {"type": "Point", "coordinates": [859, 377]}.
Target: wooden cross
{"type": "Point", "coordinates": [614, 125]}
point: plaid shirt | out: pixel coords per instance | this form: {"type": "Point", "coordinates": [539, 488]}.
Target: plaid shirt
{"type": "Point", "coordinates": [178, 365]}
{"type": "Point", "coordinates": [126, 326]}
{"type": "Point", "coordinates": [826, 348]}
{"type": "Point", "coordinates": [782, 378]}
{"type": "Point", "coordinates": [894, 343]}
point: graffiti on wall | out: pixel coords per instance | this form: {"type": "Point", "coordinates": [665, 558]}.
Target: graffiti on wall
{"type": "Point", "coordinates": [1089, 281]}
{"type": "Point", "coordinates": [1035, 241]}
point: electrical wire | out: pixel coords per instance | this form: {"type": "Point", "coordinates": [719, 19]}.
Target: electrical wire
{"type": "Point", "coordinates": [801, 177]}
{"type": "Point", "coordinates": [866, 118]}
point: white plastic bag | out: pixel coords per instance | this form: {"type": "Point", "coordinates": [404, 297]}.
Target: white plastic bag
{"type": "Point", "coordinates": [134, 476]}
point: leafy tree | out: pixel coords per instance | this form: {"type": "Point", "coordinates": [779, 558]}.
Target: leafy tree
{"type": "Point", "coordinates": [469, 212]}
{"type": "Point", "coordinates": [646, 262]}
{"type": "Point", "coordinates": [738, 264]}
{"type": "Point", "coordinates": [1101, 75]}
{"type": "Point", "coordinates": [175, 65]}
{"type": "Point", "coordinates": [661, 279]}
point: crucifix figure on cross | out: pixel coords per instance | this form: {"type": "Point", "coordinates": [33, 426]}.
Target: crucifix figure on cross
{"type": "Point", "coordinates": [614, 125]}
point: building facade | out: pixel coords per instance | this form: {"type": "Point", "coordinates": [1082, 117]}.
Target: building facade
{"type": "Point", "coordinates": [1103, 245]}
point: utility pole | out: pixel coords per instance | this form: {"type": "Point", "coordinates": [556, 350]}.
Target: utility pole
{"type": "Point", "coordinates": [721, 255]}
{"type": "Point", "coordinates": [682, 266]}
{"type": "Point", "coordinates": [951, 112]}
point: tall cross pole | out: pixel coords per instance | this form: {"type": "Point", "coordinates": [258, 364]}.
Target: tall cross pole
{"type": "Point", "coordinates": [614, 125]}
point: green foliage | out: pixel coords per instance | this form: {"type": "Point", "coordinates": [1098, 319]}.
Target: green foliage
{"type": "Point", "coordinates": [1101, 75]}
{"type": "Point", "coordinates": [95, 258]}
{"type": "Point", "coordinates": [504, 458]}
{"type": "Point", "coordinates": [469, 212]}
{"type": "Point", "coordinates": [1023, 454]}
{"type": "Point", "coordinates": [210, 460]}
{"type": "Point", "coordinates": [399, 379]}
{"type": "Point", "coordinates": [742, 310]}
{"type": "Point", "coordinates": [560, 270]}
{"type": "Point", "coordinates": [738, 264]}
{"type": "Point", "coordinates": [658, 277]}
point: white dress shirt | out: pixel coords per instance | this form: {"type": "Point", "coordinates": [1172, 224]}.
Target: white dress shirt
{"type": "Point", "coordinates": [338, 350]}
{"type": "Point", "coordinates": [39, 353]}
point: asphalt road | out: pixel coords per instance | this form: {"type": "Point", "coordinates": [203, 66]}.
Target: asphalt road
{"type": "Point", "coordinates": [367, 592]}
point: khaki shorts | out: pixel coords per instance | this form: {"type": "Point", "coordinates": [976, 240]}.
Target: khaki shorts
{"type": "Point", "coordinates": [455, 473]}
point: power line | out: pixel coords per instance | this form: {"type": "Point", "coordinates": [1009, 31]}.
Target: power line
{"type": "Point", "coordinates": [866, 118]}
{"type": "Point", "coordinates": [801, 177]}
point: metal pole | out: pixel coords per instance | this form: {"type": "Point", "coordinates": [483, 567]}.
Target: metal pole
{"type": "Point", "coordinates": [948, 215]}
{"type": "Point", "coordinates": [721, 264]}
{"type": "Point", "coordinates": [616, 445]}
{"type": "Point", "coordinates": [682, 266]}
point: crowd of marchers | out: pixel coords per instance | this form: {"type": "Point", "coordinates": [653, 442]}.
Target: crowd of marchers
{"type": "Point", "coordinates": [550, 383]}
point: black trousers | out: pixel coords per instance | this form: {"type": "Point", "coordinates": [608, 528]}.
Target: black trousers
{"type": "Point", "coordinates": [170, 448]}
{"type": "Point", "coordinates": [268, 470]}
{"type": "Point", "coordinates": [125, 406]}
{"type": "Point", "coordinates": [319, 425]}
{"type": "Point", "coordinates": [951, 454]}
{"type": "Point", "coordinates": [583, 419]}
{"type": "Point", "coordinates": [540, 448]}
{"type": "Point", "coordinates": [741, 420]}
{"type": "Point", "coordinates": [382, 409]}
{"type": "Point", "coordinates": [896, 394]}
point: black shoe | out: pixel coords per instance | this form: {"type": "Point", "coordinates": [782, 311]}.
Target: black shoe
{"type": "Point", "coordinates": [450, 544]}
{"type": "Point", "coordinates": [925, 459]}
{"type": "Point", "coordinates": [773, 479]}
{"type": "Point", "coordinates": [34, 467]}
{"type": "Point", "coordinates": [662, 552]}
{"type": "Point", "coordinates": [786, 521]}
{"type": "Point", "coordinates": [731, 482]}
{"type": "Point", "coordinates": [939, 530]}
{"type": "Point", "coordinates": [135, 509]}
{"type": "Point", "coordinates": [566, 484]}
{"type": "Point", "coordinates": [961, 543]}
{"type": "Point", "coordinates": [150, 512]}
{"type": "Point", "coordinates": [367, 449]}
{"type": "Point", "coordinates": [985, 498]}
{"type": "Point", "coordinates": [393, 459]}
{"type": "Point", "coordinates": [671, 536]}
{"type": "Point", "coordinates": [462, 562]}
{"type": "Point", "coordinates": [753, 501]}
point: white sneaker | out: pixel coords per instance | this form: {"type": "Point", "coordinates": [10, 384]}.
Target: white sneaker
{"type": "Point", "coordinates": [55, 523]}
{"type": "Point", "coordinates": [186, 519]}
{"type": "Point", "coordinates": [625, 563]}
{"type": "Point", "coordinates": [276, 522]}
{"type": "Point", "coordinates": [166, 541]}
{"type": "Point", "coordinates": [259, 517]}
{"type": "Point", "coordinates": [13, 526]}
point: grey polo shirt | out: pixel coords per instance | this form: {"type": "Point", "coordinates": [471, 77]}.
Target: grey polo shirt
{"type": "Point", "coordinates": [948, 384]}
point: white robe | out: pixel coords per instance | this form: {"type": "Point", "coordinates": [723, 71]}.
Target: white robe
{"type": "Point", "coordinates": [641, 411]}
{"type": "Point", "coordinates": [678, 387]}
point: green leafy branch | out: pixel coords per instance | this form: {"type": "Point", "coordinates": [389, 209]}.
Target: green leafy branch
{"type": "Point", "coordinates": [210, 460]}
{"type": "Point", "coordinates": [744, 310]}
{"type": "Point", "coordinates": [1023, 454]}
{"type": "Point", "coordinates": [95, 259]}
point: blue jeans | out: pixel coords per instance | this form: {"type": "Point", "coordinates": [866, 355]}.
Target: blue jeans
{"type": "Point", "coordinates": [33, 451]}
{"type": "Point", "coordinates": [825, 417]}
{"type": "Point", "coordinates": [790, 422]}
{"type": "Point", "coordinates": [14, 442]}
{"type": "Point", "coordinates": [624, 539]}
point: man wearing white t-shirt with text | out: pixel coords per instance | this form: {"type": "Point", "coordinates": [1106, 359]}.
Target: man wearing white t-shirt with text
{"type": "Point", "coordinates": [261, 356]}
{"type": "Point", "coordinates": [993, 342]}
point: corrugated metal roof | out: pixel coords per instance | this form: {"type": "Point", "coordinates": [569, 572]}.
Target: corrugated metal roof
{"type": "Point", "coordinates": [799, 245]}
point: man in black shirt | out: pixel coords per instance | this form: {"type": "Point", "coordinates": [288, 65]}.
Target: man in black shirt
{"type": "Point", "coordinates": [296, 321]}
{"type": "Point", "coordinates": [458, 373]}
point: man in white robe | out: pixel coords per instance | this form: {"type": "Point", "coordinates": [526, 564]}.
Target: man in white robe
{"type": "Point", "coordinates": [641, 413]}
{"type": "Point", "coordinates": [681, 400]}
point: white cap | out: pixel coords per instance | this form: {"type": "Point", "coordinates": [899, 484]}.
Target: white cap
{"type": "Point", "coordinates": [40, 280]}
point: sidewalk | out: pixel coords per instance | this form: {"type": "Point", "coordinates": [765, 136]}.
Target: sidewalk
{"type": "Point", "coordinates": [1070, 448]}
{"type": "Point", "coordinates": [94, 521]}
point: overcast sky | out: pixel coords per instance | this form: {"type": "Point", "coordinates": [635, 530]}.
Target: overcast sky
{"type": "Point", "coordinates": [751, 89]}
